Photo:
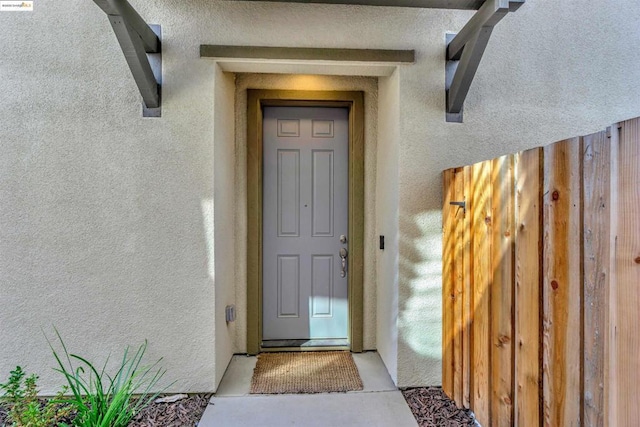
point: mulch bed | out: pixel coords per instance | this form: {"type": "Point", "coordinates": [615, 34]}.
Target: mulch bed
{"type": "Point", "coordinates": [432, 408]}
{"type": "Point", "coordinates": [183, 413]}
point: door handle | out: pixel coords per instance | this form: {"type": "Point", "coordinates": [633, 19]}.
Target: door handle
{"type": "Point", "coordinates": [343, 257]}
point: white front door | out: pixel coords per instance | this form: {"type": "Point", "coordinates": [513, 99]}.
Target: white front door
{"type": "Point", "coordinates": [305, 214]}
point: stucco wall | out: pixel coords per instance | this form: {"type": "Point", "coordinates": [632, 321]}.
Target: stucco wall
{"type": "Point", "coordinates": [104, 220]}
{"type": "Point", "coordinates": [224, 216]}
{"type": "Point", "coordinates": [102, 228]}
{"type": "Point", "coordinates": [387, 221]}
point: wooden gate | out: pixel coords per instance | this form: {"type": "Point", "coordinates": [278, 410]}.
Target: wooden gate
{"type": "Point", "coordinates": [541, 283]}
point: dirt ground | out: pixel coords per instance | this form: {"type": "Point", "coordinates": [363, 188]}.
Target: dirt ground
{"type": "Point", "coordinates": [183, 413]}
{"type": "Point", "coordinates": [432, 408]}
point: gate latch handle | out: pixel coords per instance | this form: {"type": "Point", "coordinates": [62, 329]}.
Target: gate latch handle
{"type": "Point", "coordinates": [462, 204]}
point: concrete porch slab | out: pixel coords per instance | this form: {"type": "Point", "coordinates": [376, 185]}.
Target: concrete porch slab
{"type": "Point", "coordinates": [378, 404]}
{"type": "Point", "coordinates": [382, 408]}
{"type": "Point", "coordinates": [237, 378]}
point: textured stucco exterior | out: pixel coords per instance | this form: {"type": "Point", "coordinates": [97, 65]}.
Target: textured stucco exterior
{"type": "Point", "coordinates": [387, 222]}
{"type": "Point", "coordinates": [115, 228]}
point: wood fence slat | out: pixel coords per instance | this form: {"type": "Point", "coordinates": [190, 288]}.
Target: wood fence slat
{"type": "Point", "coordinates": [467, 295]}
{"type": "Point", "coordinates": [502, 219]}
{"type": "Point", "coordinates": [458, 275]}
{"type": "Point", "coordinates": [627, 276]}
{"type": "Point", "coordinates": [610, 344]}
{"type": "Point", "coordinates": [448, 244]}
{"type": "Point", "coordinates": [596, 211]}
{"type": "Point", "coordinates": [562, 284]}
{"type": "Point", "coordinates": [481, 268]}
{"type": "Point", "coordinates": [527, 291]}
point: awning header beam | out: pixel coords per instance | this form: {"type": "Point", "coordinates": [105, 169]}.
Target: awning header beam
{"type": "Point", "coordinates": [426, 4]}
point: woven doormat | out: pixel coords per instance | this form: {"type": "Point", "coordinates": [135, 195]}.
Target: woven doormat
{"type": "Point", "coordinates": [305, 372]}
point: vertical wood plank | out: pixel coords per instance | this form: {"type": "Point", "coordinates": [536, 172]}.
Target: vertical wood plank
{"type": "Point", "coordinates": [502, 291]}
{"type": "Point", "coordinates": [481, 265]}
{"type": "Point", "coordinates": [627, 275]}
{"type": "Point", "coordinates": [467, 295]}
{"type": "Point", "coordinates": [562, 284]}
{"type": "Point", "coordinates": [458, 274]}
{"type": "Point", "coordinates": [528, 195]}
{"type": "Point", "coordinates": [448, 245]}
{"type": "Point", "coordinates": [610, 343]}
{"type": "Point", "coordinates": [596, 209]}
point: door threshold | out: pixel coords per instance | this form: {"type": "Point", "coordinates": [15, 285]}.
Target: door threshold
{"type": "Point", "coordinates": [313, 344]}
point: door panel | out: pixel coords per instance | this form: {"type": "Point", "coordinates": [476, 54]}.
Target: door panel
{"type": "Point", "coordinates": [322, 189]}
{"type": "Point", "coordinates": [288, 193]}
{"type": "Point", "coordinates": [322, 285]}
{"type": "Point", "coordinates": [288, 286]}
{"type": "Point", "coordinates": [305, 210]}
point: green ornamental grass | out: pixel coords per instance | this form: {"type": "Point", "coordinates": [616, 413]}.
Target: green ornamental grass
{"type": "Point", "coordinates": [102, 400]}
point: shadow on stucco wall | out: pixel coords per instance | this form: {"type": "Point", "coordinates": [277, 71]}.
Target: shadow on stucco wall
{"type": "Point", "coordinates": [420, 300]}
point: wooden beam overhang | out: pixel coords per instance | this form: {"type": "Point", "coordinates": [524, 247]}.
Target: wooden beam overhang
{"type": "Point", "coordinates": [141, 46]}
{"type": "Point", "coordinates": [426, 4]}
{"type": "Point", "coordinates": [308, 54]}
{"type": "Point", "coordinates": [465, 50]}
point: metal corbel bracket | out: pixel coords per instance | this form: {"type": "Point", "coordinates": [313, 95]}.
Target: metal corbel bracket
{"type": "Point", "coordinates": [465, 50]}
{"type": "Point", "coordinates": [142, 50]}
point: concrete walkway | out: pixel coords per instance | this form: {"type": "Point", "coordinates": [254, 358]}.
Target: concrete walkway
{"type": "Point", "coordinates": [378, 404]}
